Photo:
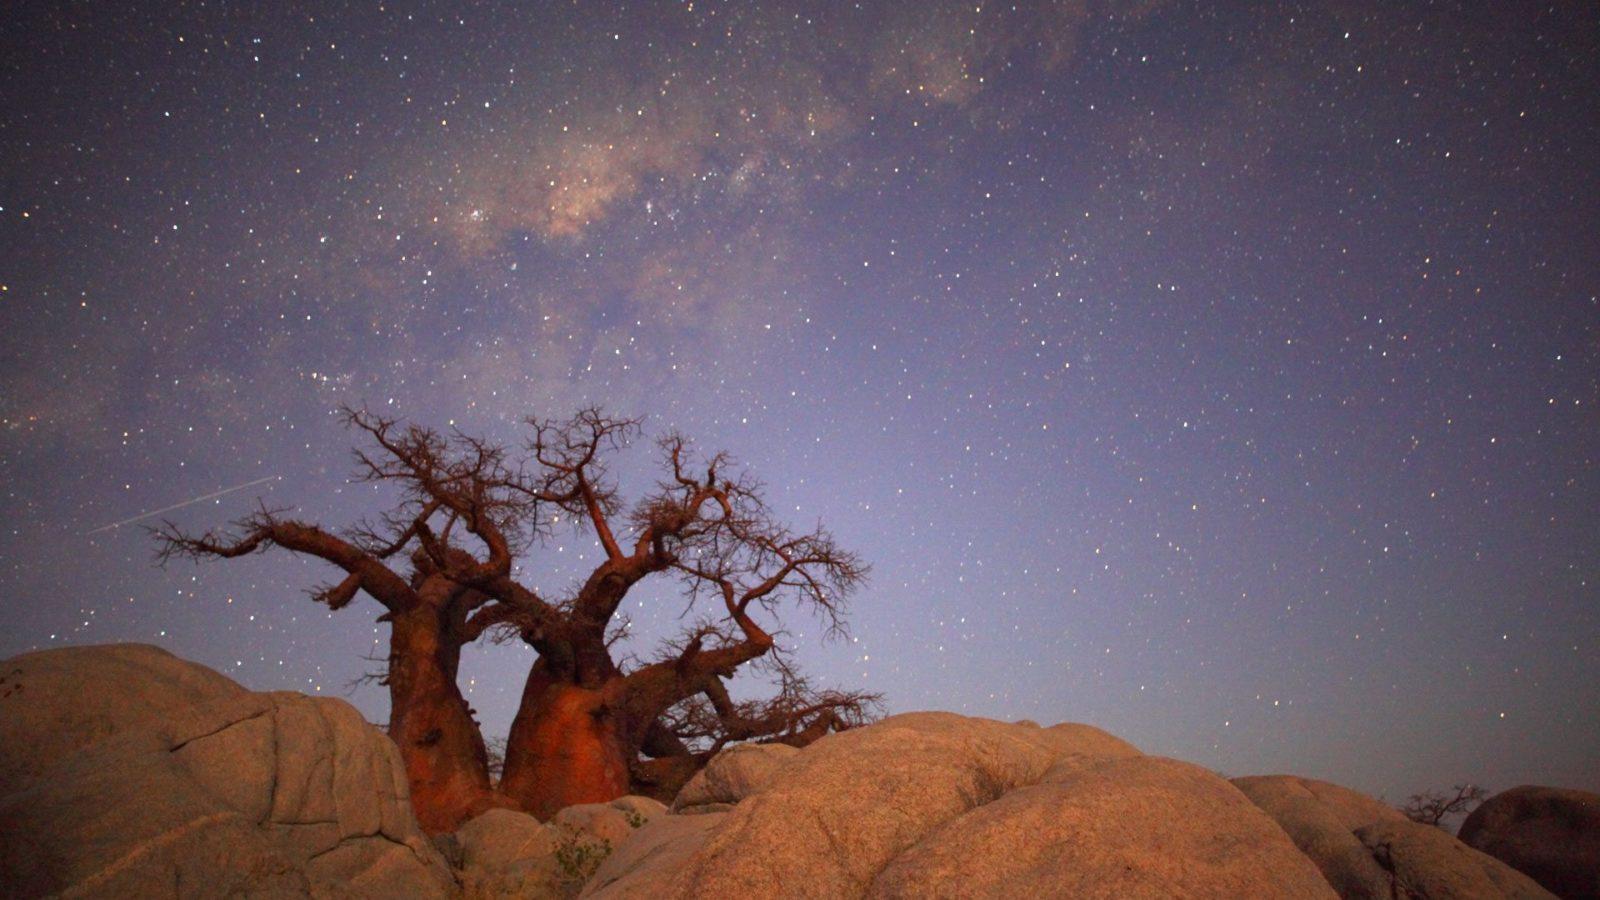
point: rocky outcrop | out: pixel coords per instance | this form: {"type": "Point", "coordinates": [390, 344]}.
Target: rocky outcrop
{"type": "Point", "coordinates": [512, 854]}
{"type": "Point", "coordinates": [1427, 863]}
{"type": "Point", "coordinates": [667, 844]}
{"type": "Point", "coordinates": [125, 771]}
{"type": "Point", "coordinates": [1140, 827]}
{"type": "Point", "coordinates": [731, 776]}
{"type": "Point", "coordinates": [1550, 834]}
{"type": "Point", "coordinates": [1366, 849]}
{"type": "Point", "coordinates": [505, 853]}
{"type": "Point", "coordinates": [934, 803]}
{"type": "Point", "coordinates": [1322, 819]}
{"type": "Point", "coordinates": [611, 823]}
{"type": "Point", "coordinates": [57, 702]}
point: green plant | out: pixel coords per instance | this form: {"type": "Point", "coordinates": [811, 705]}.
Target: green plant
{"type": "Point", "coordinates": [578, 856]}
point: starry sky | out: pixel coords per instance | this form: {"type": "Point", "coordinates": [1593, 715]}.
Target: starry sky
{"type": "Point", "coordinates": [1223, 375]}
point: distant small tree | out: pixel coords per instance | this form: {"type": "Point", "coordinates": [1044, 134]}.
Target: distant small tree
{"type": "Point", "coordinates": [1434, 807]}
{"type": "Point", "coordinates": [495, 748]}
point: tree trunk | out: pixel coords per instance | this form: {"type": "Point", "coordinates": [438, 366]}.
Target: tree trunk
{"type": "Point", "coordinates": [446, 762]}
{"type": "Point", "coordinates": [566, 746]}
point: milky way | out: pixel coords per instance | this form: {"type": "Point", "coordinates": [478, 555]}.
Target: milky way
{"type": "Point", "coordinates": [1223, 375]}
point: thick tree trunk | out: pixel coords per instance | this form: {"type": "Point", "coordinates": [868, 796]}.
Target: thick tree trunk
{"type": "Point", "coordinates": [446, 763]}
{"type": "Point", "coordinates": [566, 746]}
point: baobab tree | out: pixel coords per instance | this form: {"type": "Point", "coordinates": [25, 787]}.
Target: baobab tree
{"type": "Point", "coordinates": [589, 727]}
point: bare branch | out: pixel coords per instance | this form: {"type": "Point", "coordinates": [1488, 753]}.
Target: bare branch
{"type": "Point", "coordinates": [265, 528]}
{"type": "Point", "coordinates": [465, 475]}
{"type": "Point", "coordinates": [1434, 807]}
{"type": "Point", "coordinates": [338, 596]}
{"type": "Point", "coordinates": [797, 715]}
{"type": "Point", "coordinates": [572, 457]}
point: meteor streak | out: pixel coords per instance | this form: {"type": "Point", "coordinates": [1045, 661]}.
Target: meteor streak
{"type": "Point", "coordinates": [211, 496]}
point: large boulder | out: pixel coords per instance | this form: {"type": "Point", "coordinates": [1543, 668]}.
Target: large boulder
{"type": "Point", "coordinates": [665, 844]}
{"type": "Point", "coordinates": [512, 854]}
{"type": "Point", "coordinates": [942, 804]}
{"type": "Point", "coordinates": [1142, 827]}
{"type": "Point", "coordinates": [72, 698]}
{"type": "Point", "coordinates": [610, 823]}
{"type": "Point", "coordinates": [1428, 863]}
{"type": "Point", "coordinates": [1366, 849]}
{"type": "Point", "coordinates": [731, 776]}
{"type": "Point", "coordinates": [505, 853]}
{"type": "Point", "coordinates": [1322, 819]}
{"type": "Point", "coordinates": [125, 771]}
{"type": "Point", "coordinates": [1551, 834]}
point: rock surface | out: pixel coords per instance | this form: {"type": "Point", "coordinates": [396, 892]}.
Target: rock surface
{"type": "Point", "coordinates": [72, 698]}
{"type": "Point", "coordinates": [943, 805]}
{"type": "Point", "coordinates": [512, 854]}
{"type": "Point", "coordinates": [665, 844]}
{"type": "Point", "coordinates": [505, 853]}
{"type": "Point", "coordinates": [1366, 849]}
{"type": "Point", "coordinates": [731, 776]}
{"type": "Point", "coordinates": [1141, 827]}
{"type": "Point", "coordinates": [1550, 834]}
{"type": "Point", "coordinates": [1322, 819]}
{"type": "Point", "coordinates": [611, 823]}
{"type": "Point", "coordinates": [1428, 863]}
{"type": "Point", "coordinates": [125, 771]}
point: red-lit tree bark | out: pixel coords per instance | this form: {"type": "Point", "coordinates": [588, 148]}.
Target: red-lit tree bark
{"type": "Point", "coordinates": [585, 723]}
{"type": "Point", "coordinates": [429, 719]}
{"type": "Point", "coordinates": [452, 485]}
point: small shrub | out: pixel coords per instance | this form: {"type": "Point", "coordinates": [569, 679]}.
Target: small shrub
{"type": "Point", "coordinates": [578, 856]}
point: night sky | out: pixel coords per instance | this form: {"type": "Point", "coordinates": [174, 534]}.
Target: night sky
{"type": "Point", "coordinates": [1224, 375]}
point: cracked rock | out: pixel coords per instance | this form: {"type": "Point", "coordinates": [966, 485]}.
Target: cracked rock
{"type": "Point", "coordinates": [125, 771]}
